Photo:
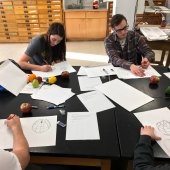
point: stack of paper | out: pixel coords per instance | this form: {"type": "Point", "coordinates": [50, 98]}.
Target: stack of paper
{"type": "Point", "coordinates": [153, 33]}
{"type": "Point", "coordinates": [53, 94]}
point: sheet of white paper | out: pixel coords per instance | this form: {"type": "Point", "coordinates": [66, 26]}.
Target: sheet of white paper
{"type": "Point", "coordinates": [160, 120]}
{"type": "Point", "coordinates": [82, 71]}
{"type": "Point", "coordinates": [53, 94]}
{"type": "Point", "coordinates": [95, 101]}
{"type": "Point", "coordinates": [100, 71]}
{"type": "Point", "coordinates": [87, 83]}
{"type": "Point", "coordinates": [57, 69]}
{"type": "Point", "coordinates": [163, 9]}
{"type": "Point", "coordinates": [82, 126]}
{"type": "Point", "coordinates": [36, 130]}
{"type": "Point", "coordinates": [12, 78]}
{"type": "Point", "coordinates": [127, 74]}
{"type": "Point", "coordinates": [153, 33]}
{"type": "Point", "coordinates": [167, 74]}
{"type": "Point", "coordinates": [125, 95]}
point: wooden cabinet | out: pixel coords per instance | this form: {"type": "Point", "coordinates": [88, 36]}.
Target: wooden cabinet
{"type": "Point", "coordinates": [86, 25]}
{"type": "Point", "coordinates": [151, 18]}
{"type": "Point", "coordinates": [20, 20]}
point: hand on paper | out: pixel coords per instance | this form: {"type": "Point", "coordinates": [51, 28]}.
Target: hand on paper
{"type": "Point", "coordinates": [137, 70]}
{"type": "Point", "coordinates": [13, 122]}
{"type": "Point", "coordinates": [148, 130]}
{"type": "Point", "coordinates": [46, 68]}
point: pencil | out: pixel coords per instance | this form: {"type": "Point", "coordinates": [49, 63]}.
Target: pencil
{"type": "Point", "coordinates": [10, 117]}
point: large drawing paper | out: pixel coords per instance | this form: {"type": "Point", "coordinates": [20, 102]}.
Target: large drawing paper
{"type": "Point", "coordinates": [87, 83]}
{"type": "Point", "coordinates": [160, 120]}
{"type": "Point", "coordinates": [12, 78]}
{"type": "Point", "coordinates": [127, 74]}
{"type": "Point", "coordinates": [105, 70]}
{"type": "Point", "coordinates": [53, 94]}
{"type": "Point", "coordinates": [39, 131]}
{"type": "Point", "coordinates": [95, 101]}
{"type": "Point", "coordinates": [125, 95]}
{"type": "Point", "coordinates": [82, 126]}
{"type": "Point", "coordinates": [57, 69]}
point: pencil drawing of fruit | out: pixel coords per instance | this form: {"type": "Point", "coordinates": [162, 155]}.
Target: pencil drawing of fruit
{"type": "Point", "coordinates": [25, 107]}
{"type": "Point", "coordinates": [35, 83]}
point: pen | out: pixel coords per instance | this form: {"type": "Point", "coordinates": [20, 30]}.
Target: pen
{"type": "Point", "coordinates": [10, 117]}
{"type": "Point", "coordinates": [55, 106]}
{"type": "Point", "coordinates": [45, 61]}
{"type": "Point", "coordinates": [105, 71]}
{"type": "Point", "coordinates": [34, 107]}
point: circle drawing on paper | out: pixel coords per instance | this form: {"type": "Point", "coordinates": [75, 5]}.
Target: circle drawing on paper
{"type": "Point", "coordinates": [41, 126]}
{"type": "Point", "coordinates": [164, 127]}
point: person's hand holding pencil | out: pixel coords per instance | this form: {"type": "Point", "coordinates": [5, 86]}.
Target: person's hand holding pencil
{"type": "Point", "coordinates": [13, 122]}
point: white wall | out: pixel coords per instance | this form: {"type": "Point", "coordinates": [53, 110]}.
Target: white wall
{"type": "Point", "coordinates": [127, 8]}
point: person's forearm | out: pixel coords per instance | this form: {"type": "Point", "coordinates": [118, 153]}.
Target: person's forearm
{"type": "Point", "coordinates": [143, 156]}
{"type": "Point", "coordinates": [29, 66]}
{"type": "Point", "coordinates": [20, 147]}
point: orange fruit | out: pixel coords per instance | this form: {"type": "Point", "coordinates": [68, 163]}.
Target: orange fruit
{"type": "Point", "coordinates": [31, 77]}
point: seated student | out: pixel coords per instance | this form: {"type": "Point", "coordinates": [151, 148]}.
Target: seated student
{"type": "Point", "coordinates": [45, 50]}
{"type": "Point", "coordinates": [143, 155]}
{"type": "Point", "coordinates": [19, 157]}
{"type": "Point", "coordinates": [127, 49]}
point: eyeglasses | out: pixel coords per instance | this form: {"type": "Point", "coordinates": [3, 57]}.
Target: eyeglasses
{"type": "Point", "coordinates": [123, 29]}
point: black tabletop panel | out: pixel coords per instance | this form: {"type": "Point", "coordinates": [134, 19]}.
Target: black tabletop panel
{"type": "Point", "coordinates": [106, 147]}
{"type": "Point", "coordinates": [128, 126]}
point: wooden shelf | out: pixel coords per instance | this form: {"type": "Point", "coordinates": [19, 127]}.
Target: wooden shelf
{"type": "Point", "coordinates": [86, 24]}
{"type": "Point", "coordinates": [20, 20]}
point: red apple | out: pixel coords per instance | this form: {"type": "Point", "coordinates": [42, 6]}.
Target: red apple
{"type": "Point", "coordinates": [154, 79]}
{"type": "Point", "coordinates": [39, 79]}
{"type": "Point", "coordinates": [25, 107]}
{"type": "Point", "coordinates": [65, 74]}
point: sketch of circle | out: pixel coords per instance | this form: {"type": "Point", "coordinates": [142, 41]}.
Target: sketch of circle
{"type": "Point", "coordinates": [164, 127]}
{"type": "Point", "coordinates": [41, 126]}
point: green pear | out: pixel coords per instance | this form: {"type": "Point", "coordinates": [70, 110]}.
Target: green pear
{"type": "Point", "coordinates": [167, 90]}
{"type": "Point", "coordinates": [35, 83]}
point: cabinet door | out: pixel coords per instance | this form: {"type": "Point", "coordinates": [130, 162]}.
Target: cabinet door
{"type": "Point", "coordinates": [75, 28]}
{"type": "Point", "coordinates": [96, 28]}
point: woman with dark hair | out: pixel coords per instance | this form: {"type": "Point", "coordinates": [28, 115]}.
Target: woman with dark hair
{"type": "Point", "coordinates": [45, 50]}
